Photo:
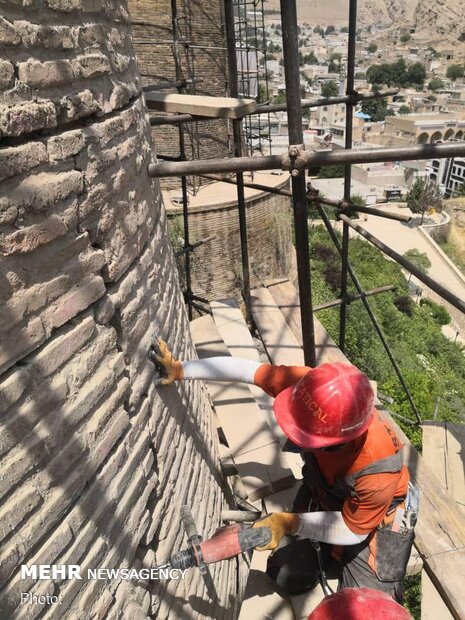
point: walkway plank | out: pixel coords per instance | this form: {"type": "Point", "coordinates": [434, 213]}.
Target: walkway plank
{"type": "Point", "coordinates": [444, 445]}
{"type": "Point", "coordinates": [432, 605]}
{"type": "Point", "coordinates": [256, 454]}
{"type": "Point", "coordinates": [199, 105]}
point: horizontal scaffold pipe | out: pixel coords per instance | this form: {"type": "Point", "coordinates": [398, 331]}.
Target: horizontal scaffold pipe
{"type": "Point", "coordinates": [410, 267]}
{"type": "Point", "coordinates": [308, 159]}
{"type": "Point", "coordinates": [337, 204]}
{"type": "Point", "coordinates": [351, 298]}
{"type": "Point", "coordinates": [171, 119]}
{"type": "Point", "coordinates": [319, 103]}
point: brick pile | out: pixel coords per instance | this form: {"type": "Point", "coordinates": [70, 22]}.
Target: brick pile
{"type": "Point", "coordinates": [95, 462]}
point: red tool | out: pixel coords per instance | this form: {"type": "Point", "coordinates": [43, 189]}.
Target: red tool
{"type": "Point", "coordinates": [226, 542]}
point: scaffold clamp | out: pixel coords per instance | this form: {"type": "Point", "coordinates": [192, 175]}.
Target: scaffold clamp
{"type": "Point", "coordinates": [294, 160]}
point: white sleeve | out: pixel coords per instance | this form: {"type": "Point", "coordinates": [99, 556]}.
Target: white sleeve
{"type": "Point", "coordinates": [234, 369]}
{"type": "Point", "coordinates": [328, 527]}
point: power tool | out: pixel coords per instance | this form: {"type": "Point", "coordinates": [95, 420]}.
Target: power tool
{"type": "Point", "coordinates": [227, 542]}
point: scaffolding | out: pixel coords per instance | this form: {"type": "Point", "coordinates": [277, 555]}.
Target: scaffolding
{"type": "Point", "coordinates": [252, 73]}
{"type": "Point", "coordinates": [296, 161]}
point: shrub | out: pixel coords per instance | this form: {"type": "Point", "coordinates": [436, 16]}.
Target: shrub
{"type": "Point", "coordinates": [437, 312]}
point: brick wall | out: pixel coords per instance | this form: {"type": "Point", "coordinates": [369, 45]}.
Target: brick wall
{"type": "Point", "coordinates": [216, 267]}
{"type": "Point", "coordinates": [95, 462]}
{"type": "Point", "coordinates": [201, 26]}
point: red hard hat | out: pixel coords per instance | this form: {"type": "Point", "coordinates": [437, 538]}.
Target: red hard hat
{"type": "Point", "coordinates": [331, 404]}
{"type": "Point", "coordinates": [359, 604]}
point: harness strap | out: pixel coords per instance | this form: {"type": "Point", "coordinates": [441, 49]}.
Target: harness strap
{"type": "Point", "coordinates": [389, 464]}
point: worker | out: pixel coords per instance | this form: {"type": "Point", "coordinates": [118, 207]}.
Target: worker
{"type": "Point", "coordinates": [355, 487]}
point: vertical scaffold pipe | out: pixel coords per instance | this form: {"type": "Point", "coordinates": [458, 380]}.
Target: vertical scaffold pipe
{"type": "Point", "coordinates": [237, 139]}
{"type": "Point", "coordinates": [347, 168]}
{"type": "Point", "coordinates": [294, 115]}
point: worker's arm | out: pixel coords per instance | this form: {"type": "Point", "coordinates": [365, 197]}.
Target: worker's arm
{"type": "Point", "coordinates": [324, 526]}
{"type": "Point", "coordinates": [272, 379]}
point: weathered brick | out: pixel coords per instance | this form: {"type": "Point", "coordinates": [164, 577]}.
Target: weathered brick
{"type": "Point", "coordinates": [22, 119]}
{"type": "Point", "coordinates": [102, 383]}
{"type": "Point", "coordinates": [64, 6]}
{"type": "Point", "coordinates": [8, 33]}
{"type": "Point", "coordinates": [14, 348]}
{"type": "Point", "coordinates": [65, 145]}
{"type": "Point", "coordinates": [74, 107]}
{"type": "Point", "coordinates": [14, 427]}
{"type": "Point", "coordinates": [91, 66]}
{"type": "Point", "coordinates": [45, 74]}
{"type": "Point", "coordinates": [24, 500]}
{"type": "Point", "coordinates": [99, 420]}
{"type": "Point", "coordinates": [110, 436]}
{"type": "Point", "coordinates": [48, 37]}
{"type": "Point", "coordinates": [33, 237]}
{"type": "Point", "coordinates": [18, 159]}
{"type": "Point", "coordinates": [77, 299]}
{"type": "Point", "coordinates": [42, 190]}
{"type": "Point", "coordinates": [12, 387]}
{"type": "Point", "coordinates": [61, 347]}
{"type": "Point", "coordinates": [6, 74]}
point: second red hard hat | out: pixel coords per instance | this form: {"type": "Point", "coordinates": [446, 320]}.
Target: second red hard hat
{"type": "Point", "coordinates": [331, 404]}
{"type": "Point", "coordinates": [359, 604]}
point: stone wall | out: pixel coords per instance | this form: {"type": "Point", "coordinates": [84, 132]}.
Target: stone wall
{"type": "Point", "coordinates": [96, 462]}
{"type": "Point", "coordinates": [216, 267]}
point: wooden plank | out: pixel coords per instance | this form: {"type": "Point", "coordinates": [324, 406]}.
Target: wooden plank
{"type": "Point", "coordinates": [281, 344]}
{"type": "Point", "coordinates": [455, 438]}
{"type": "Point", "coordinates": [233, 330]}
{"type": "Point", "coordinates": [256, 455]}
{"type": "Point", "coordinates": [434, 449]}
{"type": "Point", "coordinates": [199, 105]}
{"type": "Point", "coordinates": [286, 298]}
{"type": "Point", "coordinates": [432, 605]}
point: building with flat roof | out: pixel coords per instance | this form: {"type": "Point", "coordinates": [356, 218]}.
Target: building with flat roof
{"type": "Point", "coordinates": [411, 129]}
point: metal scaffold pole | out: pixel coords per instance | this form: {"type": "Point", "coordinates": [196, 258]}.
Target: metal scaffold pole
{"type": "Point", "coordinates": [350, 92]}
{"type": "Point", "coordinates": [237, 139]}
{"type": "Point", "coordinates": [294, 114]}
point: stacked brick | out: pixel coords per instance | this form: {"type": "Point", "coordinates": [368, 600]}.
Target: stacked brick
{"type": "Point", "coordinates": [95, 462]}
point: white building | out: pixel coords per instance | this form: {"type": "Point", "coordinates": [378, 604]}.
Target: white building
{"type": "Point", "coordinates": [448, 173]}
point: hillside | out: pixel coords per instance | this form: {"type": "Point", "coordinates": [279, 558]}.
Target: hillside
{"type": "Point", "coordinates": [431, 18]}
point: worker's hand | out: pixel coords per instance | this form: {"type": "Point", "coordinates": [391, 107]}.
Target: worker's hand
{"type": "Point", "coordinates": [280, 524]}
{"type": "Point", "coordinates": [170, 368]}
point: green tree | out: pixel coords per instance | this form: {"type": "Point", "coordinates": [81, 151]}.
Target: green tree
{"type": "Point", "coordinates": [318, 30]}
{"type": "Point", "coordinates": [424, 195]}
{"type": "Point", "coordinates": [329, 89]}
{"type": "Point", "coordinates": [419, 259]}
{"type": "Point", "coordinates": [416, 74]}
{"type": "Point", "coordinates": [344, 29]}
{"type": "Point", "coordinates": [372, 48]}
{"type": "Point", "coordinates": [376, 108]}
{"type": "Point", "coordinates": [404, 109]}
{"type": "Point", "coordinates": [404, 38]}
{"type": "Point", "coordinates": [330, 30]}
{"type": "Point", "coordinates": [455, 71]}
{"type": "Point", "coordinates": [280, 98]}
{"type": "Point", "coordinates": [436, 84]}
{"type": "Point", "coordinates": [331, 172]}
{"type": "Point", "coordinates": [335, 63]}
